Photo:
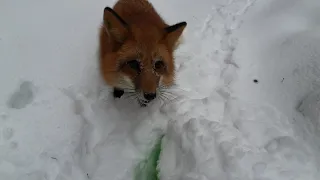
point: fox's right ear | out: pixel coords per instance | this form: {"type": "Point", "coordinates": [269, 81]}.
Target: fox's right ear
{"type": "Point", "coordinates": [115, 25]}
{"type": "Point", "coordinates": [173, 33]}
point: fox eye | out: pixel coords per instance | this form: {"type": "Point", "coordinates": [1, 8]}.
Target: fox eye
{"type": "Point", "coordinates": [134, 64]}
{"type": "Point", "coordinates": [159, 65]}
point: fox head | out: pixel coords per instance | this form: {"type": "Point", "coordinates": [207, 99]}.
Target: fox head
{"type": "Point", "coordinates": [138, 56]}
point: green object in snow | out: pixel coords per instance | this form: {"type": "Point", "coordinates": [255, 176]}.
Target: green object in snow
{"type": "Point", "coordinates": [148, 169]}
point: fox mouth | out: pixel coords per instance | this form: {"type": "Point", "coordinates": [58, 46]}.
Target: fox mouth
{"type": "Point", "coordinates": [118, 93]}
{"type": "Point", "coordinates": [163, 94]}
{"type": "Point", "coordinates": [143, 103]}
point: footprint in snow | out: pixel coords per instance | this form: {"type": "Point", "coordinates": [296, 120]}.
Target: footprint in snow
{"type": "Point", "coordinates": [3, 116]}
{"type": "Point", "coordinates": [7, 133]}
{"type": "Point", "coordinates": [259, 168]}
{"type": "Point", "coordinates": [37, 175]}
{"type": "Point", "coordinates": [13, 145]}
{"type": "Point", "coordinates": [23, 96]}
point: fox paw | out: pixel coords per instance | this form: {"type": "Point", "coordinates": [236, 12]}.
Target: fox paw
{"type": "Point", "coordinates": [117, 93]}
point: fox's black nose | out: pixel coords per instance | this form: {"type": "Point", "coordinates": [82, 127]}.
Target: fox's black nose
{"type": "Point", "coordinates": [149, 96]}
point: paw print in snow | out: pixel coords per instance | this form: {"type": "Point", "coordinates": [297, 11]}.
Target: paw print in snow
{"type": "Point", "coordinates": [3, 116]}
{"type": "Point", "coordinates": [13, 145]}
{"type": "Point", "coordinates": [259, 168]}
{"type": "Point", "coordinates": [22, 96]}
{"type": "Point", "coordinates": [7, 133]}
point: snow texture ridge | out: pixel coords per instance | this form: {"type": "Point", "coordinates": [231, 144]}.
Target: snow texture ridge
{"type": "Point", "coordinates": [58, 121]}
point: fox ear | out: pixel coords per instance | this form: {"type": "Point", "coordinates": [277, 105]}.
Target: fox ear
{"type": "Point", "coordinates": [173, 33]}
{"type": "Point", "coordinates": [115, 25]}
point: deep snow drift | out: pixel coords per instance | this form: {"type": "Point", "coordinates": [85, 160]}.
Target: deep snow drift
{"type": "Point", "coordinates": [246, 105]}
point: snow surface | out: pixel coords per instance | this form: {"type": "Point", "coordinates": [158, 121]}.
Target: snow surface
{"type": "Point", "coordinates": [59, 122]}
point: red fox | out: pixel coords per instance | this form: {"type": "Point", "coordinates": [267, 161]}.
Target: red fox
{"type": "Point", "coordinates": [136, 50]}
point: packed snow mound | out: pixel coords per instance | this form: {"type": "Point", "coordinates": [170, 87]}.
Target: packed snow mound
{"type": "Point", "coordinates": [279, 46]}
{"type": "Point", "coordinates": [245, 68]}
{"type": "Point", "coordinates": [310, 107]}
{"type": "Point", "coordinates": [250, 142]}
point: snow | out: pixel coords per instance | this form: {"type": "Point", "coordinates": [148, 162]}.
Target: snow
{"type": "Point", "coordinates": [59, 122]}
{"type": "Point", "coordinates": [310, 107]}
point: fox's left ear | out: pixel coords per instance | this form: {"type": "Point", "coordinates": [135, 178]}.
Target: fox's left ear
{"type": "Point", "coordinates": [173, 33]}
{"type": "Point", "coordinates": [115, 25]}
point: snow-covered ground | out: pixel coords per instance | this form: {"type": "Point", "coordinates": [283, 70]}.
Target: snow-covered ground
{"type": "Point", "coordinates": [246, 106]}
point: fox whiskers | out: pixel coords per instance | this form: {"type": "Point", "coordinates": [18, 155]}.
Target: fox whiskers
{"type": "Point", "coordinates": [166, 94]}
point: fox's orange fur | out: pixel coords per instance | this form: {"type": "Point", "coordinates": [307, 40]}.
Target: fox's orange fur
{"type": "Point", "coordinates": [137, 46]}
